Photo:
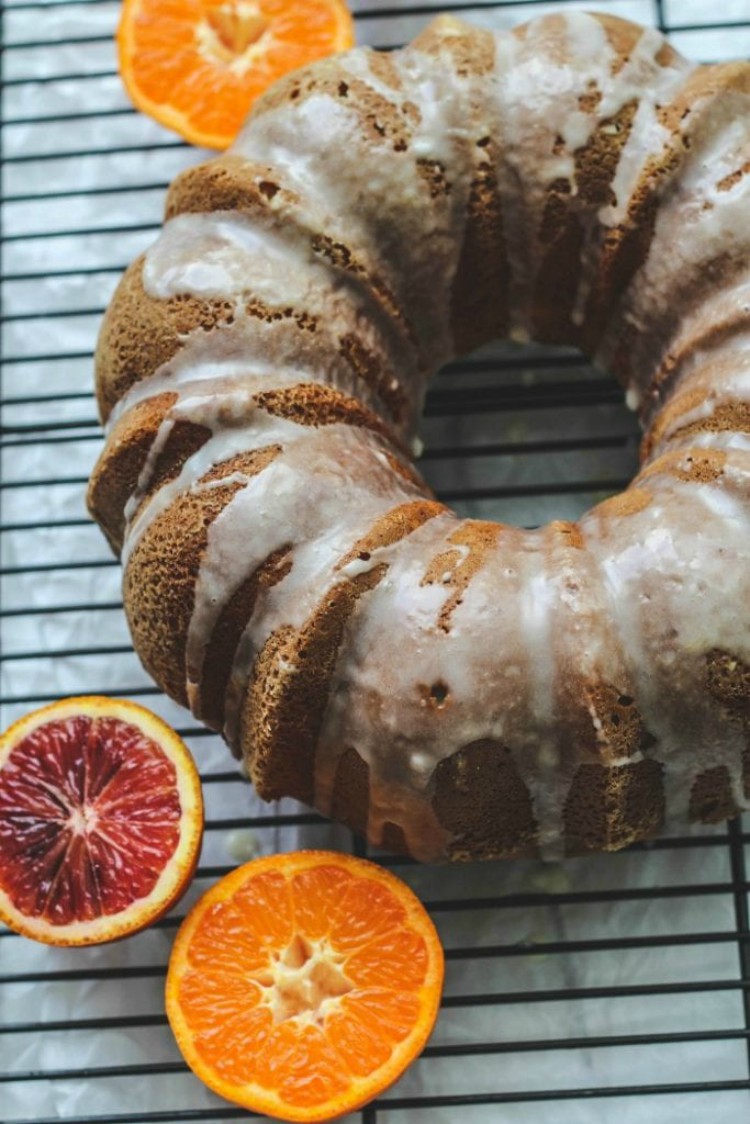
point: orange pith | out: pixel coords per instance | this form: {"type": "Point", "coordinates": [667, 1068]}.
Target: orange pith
{"type": "Point", "coordinates": [197, 66]}
{"type": "Point", "coordinates": [302, 985]}
{"type": "Point", "coordinates": [101, 820]}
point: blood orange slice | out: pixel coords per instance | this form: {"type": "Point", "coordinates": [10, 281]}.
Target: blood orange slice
{"type": "Point", "coordinates": [302, 985]}
{"type": "Point", "coordinates": [101, 820]}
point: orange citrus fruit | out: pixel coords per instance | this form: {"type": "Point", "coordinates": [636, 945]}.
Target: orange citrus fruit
{"type": "Point", "coordinates": [302, 985]}
{"type": "Point", "coordinates": [101, 820]}
{"type": "Point", "coordinates": [197, 66]}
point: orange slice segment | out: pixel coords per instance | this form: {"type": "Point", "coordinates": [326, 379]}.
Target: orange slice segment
{"type": "Point", "coordinates": [302, 985]}
{"type": "Point", "coordinates": [197, 66]}
{"type": "Point", "coordinates": [101, 820]}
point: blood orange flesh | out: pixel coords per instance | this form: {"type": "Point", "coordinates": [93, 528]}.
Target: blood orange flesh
{"type": "Point", "coordinates": [100, 821]}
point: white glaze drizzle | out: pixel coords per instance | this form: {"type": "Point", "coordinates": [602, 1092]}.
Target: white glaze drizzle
{"type": "Point", "coordinates": [214, 255]}
{"type": "Point", "coordinates": [240, 263]}
{"type": "Point", "coordinates": [338, 509]}
{"type": "Point", "coordinates": [227, 441]}
{"type": "Point", "coordinates": [643, 80]}
{"type": "Point", "coordinates": [711, 217]}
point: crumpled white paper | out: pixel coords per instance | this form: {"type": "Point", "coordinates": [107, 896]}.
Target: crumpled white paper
{"type": "Point", "coordinates": [63, 258]}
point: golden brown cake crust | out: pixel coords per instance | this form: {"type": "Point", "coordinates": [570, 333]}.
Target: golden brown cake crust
{"type": "Point", "coordinates": [607, 809]}
{"type": "Point", "coordinates": [285, 704]}
{"type": "Point", "coordinates": [161, 573]}
{"type": "Point", "coordinates": [483, 802]}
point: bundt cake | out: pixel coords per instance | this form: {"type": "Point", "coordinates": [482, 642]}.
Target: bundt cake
{"type": "Point", "coordinates": [450, 687]}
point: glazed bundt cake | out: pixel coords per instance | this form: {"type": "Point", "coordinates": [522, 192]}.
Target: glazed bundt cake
{"type": "Point", "coordinates": [450, 687]}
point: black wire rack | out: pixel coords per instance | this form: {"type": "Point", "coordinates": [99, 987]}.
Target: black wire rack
{"type": "Point", "coordinates": [614, 988]}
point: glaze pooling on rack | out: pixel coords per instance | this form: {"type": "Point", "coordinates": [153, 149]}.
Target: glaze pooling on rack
{"type": "Point", "coordinates": [383, 643]}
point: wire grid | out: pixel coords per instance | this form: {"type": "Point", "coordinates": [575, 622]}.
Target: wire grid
{"type": "Point", "coordinates": [610, 988]}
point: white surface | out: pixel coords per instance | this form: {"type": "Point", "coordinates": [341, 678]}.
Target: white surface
{"type": "Point", "coordinates": [100, 231]}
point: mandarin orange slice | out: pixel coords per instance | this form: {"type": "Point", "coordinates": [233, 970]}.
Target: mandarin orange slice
{"type": "Point", "coordinates": [197, 66]}
{"type": "Point", "coordinates": [101, 820]}
{"type": "Point", "coordinates": [302, 985]}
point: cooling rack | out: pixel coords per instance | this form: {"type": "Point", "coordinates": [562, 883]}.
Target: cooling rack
{"type": "Point", "coordinates": [589, 991]}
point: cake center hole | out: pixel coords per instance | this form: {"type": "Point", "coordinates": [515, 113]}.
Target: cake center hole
{"type": "Point", "coordinates": [526, 434]}
{"type": "Point", "coordinates": [305, 979]}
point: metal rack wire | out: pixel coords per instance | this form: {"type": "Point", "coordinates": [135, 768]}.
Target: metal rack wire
{"type": "Point", "coordinates": [613, 988]}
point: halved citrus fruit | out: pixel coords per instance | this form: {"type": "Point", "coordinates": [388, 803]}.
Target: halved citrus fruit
{"type": "Point", "coordinates": [101, 820]}
{"type": "Point", "coordinates": [197, 66]}
{"type": "Point", "coordinates": [302, 985]}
